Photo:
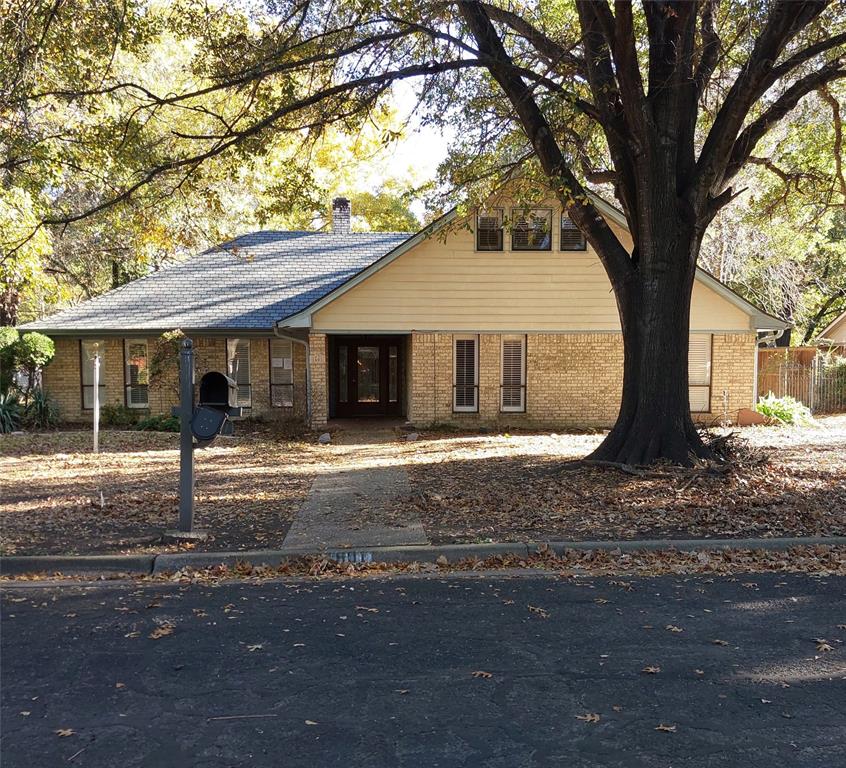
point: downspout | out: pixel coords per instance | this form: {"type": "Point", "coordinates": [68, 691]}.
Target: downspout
{"type": "Point", "coordinates": [305, 346]}
{"type": "Point", "coordinates": [774, 336]}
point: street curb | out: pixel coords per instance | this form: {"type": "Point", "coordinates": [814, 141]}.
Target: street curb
{"type": "Point", "coordinates": [17, 565]}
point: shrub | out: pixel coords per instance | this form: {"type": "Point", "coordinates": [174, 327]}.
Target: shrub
{"type": "Point", "coordinates": [159, 424]}
{"type": "Point", "coordinates": [10, 413]}
{"type": "Point", "coordinates": [786, 410]}
{"type": "Point", "coordinates": [113, 415]}
{"type": "Point", "coordinates": [42, 411]}
{"type": "Point", "coordinates": [8, 339]}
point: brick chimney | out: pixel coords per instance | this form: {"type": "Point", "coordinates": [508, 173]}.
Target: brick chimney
{"type": "Point", "coordinates": [341, 213]}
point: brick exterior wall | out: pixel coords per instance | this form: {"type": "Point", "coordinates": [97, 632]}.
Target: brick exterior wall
{"type": "Point", "coordinates": [317, 345]}
{"type": "Point", "coordinates": [62, 377]}
{"type": "Point", "coordinates": [572, 380]}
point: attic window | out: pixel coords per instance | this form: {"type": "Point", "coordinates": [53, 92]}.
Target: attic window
{"type": "Point", "coordinates": [531, 229]}
{"type": "Point", "coordinates": [489, 230]}
{"type": "Point", "coordinates": [572, 238]}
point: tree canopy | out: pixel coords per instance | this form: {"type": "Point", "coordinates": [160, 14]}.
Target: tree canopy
{"type": "Point", "coordinates": [673, 107]}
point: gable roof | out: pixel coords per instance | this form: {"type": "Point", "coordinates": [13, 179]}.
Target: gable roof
{"type": "Point", "coordinates": [245, 284]}
{"type": "Point", "coordinates": [833, 325]}
{"type": "Point", "coordinates": [760, 320]}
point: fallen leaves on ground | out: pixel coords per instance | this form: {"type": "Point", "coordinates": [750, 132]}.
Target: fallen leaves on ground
{"type": "Point", "coordinates": [589, 717]}
{"type": "Point", "coordinates": [651, 670]}
{"type": "Point", "coordinates": [63, 733]}
{"type": "Point", "coordinates": [161, 631]}
{"type": "Point", "coordinates": [479, 488]}
{"type": "Point", "coordinates": [481, 674]}
{"type": "Point", "coordinates": [665, 728]}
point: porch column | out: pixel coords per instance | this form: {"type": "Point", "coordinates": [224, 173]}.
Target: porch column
{"type": "Point", "coordinates": [319, 379]}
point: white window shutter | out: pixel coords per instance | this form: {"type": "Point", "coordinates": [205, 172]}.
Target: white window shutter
{"type": "Point", "coordinates": [513, 374]}
{"type": "Point", "coordinates": [238, 369]}
{"type": "Point", "coordinates": [699, 372]}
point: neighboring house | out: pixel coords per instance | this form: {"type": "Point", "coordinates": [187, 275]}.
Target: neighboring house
{"type": "Point", "coordinates": [503, 317]}
{"type": "Point", "coordinates": [835, 331]}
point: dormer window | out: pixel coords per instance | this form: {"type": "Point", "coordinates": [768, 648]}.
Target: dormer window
{"type": "Point", "coordinates": [489, 230]}
{"type": "Point", "coordinates": [531, 229]}
{"type": "Point", "coordinates": [572, 238]}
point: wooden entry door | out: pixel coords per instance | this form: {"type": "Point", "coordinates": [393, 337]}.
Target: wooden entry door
{"type": "Point", "coordinates": [367, 375]}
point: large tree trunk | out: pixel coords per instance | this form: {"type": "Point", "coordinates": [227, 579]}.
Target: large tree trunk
{"type": "Point", "coordinates": [654, 421]}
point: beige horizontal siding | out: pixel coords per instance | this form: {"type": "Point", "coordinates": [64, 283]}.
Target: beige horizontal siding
{"type": "Point", "coordinates": [448, 285]}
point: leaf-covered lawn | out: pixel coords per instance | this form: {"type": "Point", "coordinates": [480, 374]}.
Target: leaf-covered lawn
{"type": "Point", "coordinates": [465, 488]}
{"type": "Point", "coordinates": [249, 489]}
{"type": "Point", "coordinates": [513, 488]}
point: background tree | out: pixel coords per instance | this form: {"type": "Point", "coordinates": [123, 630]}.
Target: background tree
{"type": "Point", "coordinates": [665, 101]}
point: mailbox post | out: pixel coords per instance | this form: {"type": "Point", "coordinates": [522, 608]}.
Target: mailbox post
{"type": "Point", "coordinates": [198, 426]}
{"type": "Point", "coordinates": [186, 439]}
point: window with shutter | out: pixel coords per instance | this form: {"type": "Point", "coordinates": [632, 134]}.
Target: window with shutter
{"type": "Point", "coordinates": [513, 388]}
{"type": "Point", "coordinates": [699, 372]}
{"type": "Point", "coordinates": [572, 238]}
{"type": "Point", "coordinates": [238, 369]}
{"type": "Point", "coordinates": [466, 374]}
{"type": "Point", "coordinates": [489, 230]}
{"type": "Point", "coordinates": [87, 350]}
{"type": "Point", "coordinates": [531, 229]}
{"type": "Point", "coordinates": [281, 373]}
{"type": "Point", "coordinates": [136, 372]}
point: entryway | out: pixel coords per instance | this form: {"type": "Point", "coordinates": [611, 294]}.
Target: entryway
{"type": "Point", "coordinates": [366, 376]}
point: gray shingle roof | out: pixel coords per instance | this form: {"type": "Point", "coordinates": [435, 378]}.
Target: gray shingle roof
{"type": "Point", "coordinates": [247, 283]}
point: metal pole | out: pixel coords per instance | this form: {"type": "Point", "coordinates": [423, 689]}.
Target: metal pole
{"type": "Point", "coordinates": [96, 403]}
{"type": "Point", "coordinates": [186, 439]}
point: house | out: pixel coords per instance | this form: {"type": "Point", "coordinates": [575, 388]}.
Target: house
{"type": "Point", "coordinates": [835, 331]}
{"type": "Point", "coordinates": [503, 316]}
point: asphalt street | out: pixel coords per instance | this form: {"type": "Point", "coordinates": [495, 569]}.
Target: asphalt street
{"type": "Point", "coordinates": [427, 671]}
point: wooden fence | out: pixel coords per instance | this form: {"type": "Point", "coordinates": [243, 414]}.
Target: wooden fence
{"type": "Point", "coordinates": [815, 376]}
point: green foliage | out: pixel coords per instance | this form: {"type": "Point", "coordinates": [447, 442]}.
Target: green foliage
{"type": "Point", "coordinates": [786, 410]}
{"type": "Point", "coordinates": [42, 411]}
{"type": "Point", "coordinates": [8, 336]}
{"type": "Point", "coordinates": [10, 412]}
{"type": "Point", "coordinates": [34, 350]}
{"type": "Point", "coordinates": [159, 424]}
{"type": "Point", "coordinates": [117, 415]}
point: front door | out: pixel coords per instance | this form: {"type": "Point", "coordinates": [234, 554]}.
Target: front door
{"type": "Point", "coordinates": [366, 374]}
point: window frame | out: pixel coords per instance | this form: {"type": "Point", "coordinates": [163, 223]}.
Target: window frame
{"type": "Point", "coordinates": [82, 361]}
{"type": "Point", "coordinates": [271, 385]}
{"type": "Point", "coordinates": [127, 386]}
{"type": "Point", "coordinates": [523, 365]}
{"type": "Point", "coordinates": [249, 386]}
{"type": "Point", "coordinates": [709, 386]}
{"type": "Point", "coordinates": [479, 214]}
{"type": "Point", "coordinates": [529, 211]}
{"type": "Point", "coordinates": [475, 386]}
{"type": "Point", "coordinates": [564, 217]}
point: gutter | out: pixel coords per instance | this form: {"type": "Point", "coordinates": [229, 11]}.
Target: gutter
{"type": "Point", "coordinates": [305, 346]}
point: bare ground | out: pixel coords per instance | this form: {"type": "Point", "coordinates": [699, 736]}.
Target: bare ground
{"type": "Point", "coordinates": [463, 488]}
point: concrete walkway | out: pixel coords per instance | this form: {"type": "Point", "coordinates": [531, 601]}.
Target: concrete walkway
{"type": "Point", "coordinates": [352, 508]}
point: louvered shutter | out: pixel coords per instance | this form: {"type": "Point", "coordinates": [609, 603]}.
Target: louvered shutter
{"type": "Point", "coordinates": [572, 238]}
{"type": "Point", "coordinates": [238, 358]}
{"type": "Point", "coordinates": [489, 231]}
{"type": "Point", "coordinates": [513, 374]}
{"type": "Point", "coordinates": [281, 373]}
{"type": "Point", "coordinates": [465, 396]}
{"type": "Point", "coordinates": [699, 372]}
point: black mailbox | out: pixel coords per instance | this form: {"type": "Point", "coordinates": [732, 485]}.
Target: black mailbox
{"type": "Point", "coordinates": [218, 391]}
{"type": "Point", "coordinates": [207, 423]}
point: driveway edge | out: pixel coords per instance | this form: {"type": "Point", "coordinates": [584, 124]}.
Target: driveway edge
{"type": "Point", "coordinates": [18, 565]}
